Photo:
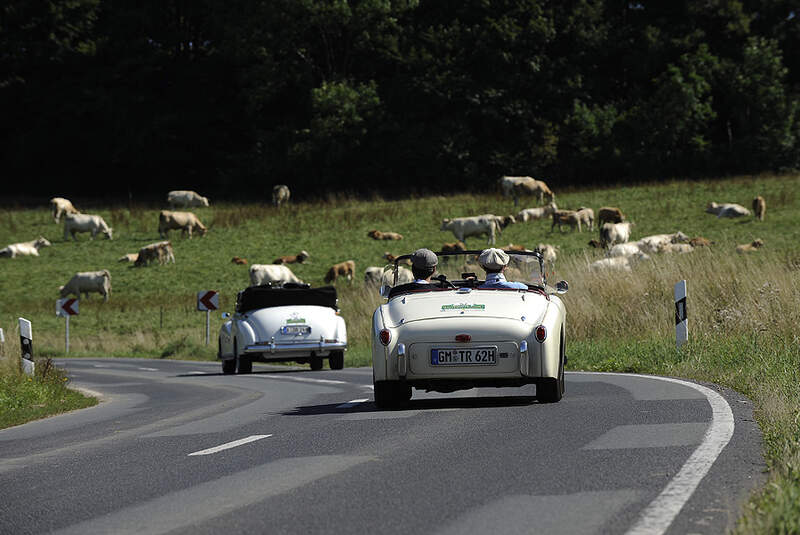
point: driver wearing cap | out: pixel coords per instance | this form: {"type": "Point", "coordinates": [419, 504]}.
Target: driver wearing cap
{"type": "Point", "coordinates": [423, 265]}
{"type": "Point", "coordinates": [494, 262]}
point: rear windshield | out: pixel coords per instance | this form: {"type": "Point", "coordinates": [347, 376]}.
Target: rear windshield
{"type": "Point", "coordinates": [257, 297]}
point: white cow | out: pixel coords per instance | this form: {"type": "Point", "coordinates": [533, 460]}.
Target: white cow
{"type": "Point", "coordinates": [618, 263]}
{"type": "Point", "coordinates": [186, 198]}
{"type": "Point", "coordinates": [280, 194]}
{"type": "Point", "coordinates": [28, 248]}
{"type": "Point", "coordinates": [531, 214]}
{"type": "Point", "coordinates": [88, 281]}
{"type": "Point", "coordinates": [59, 206]}
{"type": "Point", "coordinates": [548, 252]}
{"type": "Point", "coordinates": [611, 233]}
{"type": "Point", "coordinates": [472, 226]}
{"type": "Point", "coordinates": [85, 223]}
{"type": "Point", "coordinates": [727, 209]}
{"type": "Point", "coordinates": [624, 249]}
{"type": "Point", "coordinates": [185, 221]}
{"type": "Point", "coordinates": [277, 273]}
{"type": "Point", "coordinates": [657, 242]}
{"type": "Point", "coordinates": [375, 276]}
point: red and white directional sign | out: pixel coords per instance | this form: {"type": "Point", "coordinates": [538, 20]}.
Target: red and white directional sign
{"type": "Point", "coordinates": [67, 307]}
{"type": "Point", "coordinates": [208, 300]}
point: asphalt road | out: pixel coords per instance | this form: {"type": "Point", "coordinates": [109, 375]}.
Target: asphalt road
{"type": "Point", "coordinates": [176, 447]}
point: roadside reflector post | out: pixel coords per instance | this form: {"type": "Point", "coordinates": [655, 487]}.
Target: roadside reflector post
{"type": "Point", "coordinates": [2, 343]}
{"type": "Point", "coordinates": [208, 300]}
{"type": "Point", "coordinates": [681, 322]}
{"type": "Point", "coordinates": [67, 307]}
{"type": "Point", "coordinates": [26, 345]}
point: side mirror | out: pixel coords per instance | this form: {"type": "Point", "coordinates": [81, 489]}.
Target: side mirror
{"type": "Point", "coordinates": [385, 289]}
{"type": "Point", "coordinates": [226, 315]}
{"type": "Point", "coordinates": [562, 287]}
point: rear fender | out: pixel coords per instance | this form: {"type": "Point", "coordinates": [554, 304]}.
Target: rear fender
{"type": "Point", "coordinates": [225, 340]}
{"type": "Point", "coordinates": [551, 348]}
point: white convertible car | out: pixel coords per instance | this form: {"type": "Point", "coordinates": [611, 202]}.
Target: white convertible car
{"type": "Point", "coordinates": [451, 335]}
{"type": "Point", "coordinates": [292, 322]}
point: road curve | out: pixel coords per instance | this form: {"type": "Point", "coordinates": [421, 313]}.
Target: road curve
{"type": "Point", "coordinates": [177, 447]}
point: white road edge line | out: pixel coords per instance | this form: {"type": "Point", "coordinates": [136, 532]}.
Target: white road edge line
{"type": "Point", "coordinates": [658, 516]}
{"type": "Point", "coordinates": [352, 403]}
{"type": "Point", "coordinates": [304, 379]}
{"type": "Point", "coordinates": [230, 445]}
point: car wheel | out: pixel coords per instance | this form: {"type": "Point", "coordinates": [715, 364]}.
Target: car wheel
{"type": "Point", "coordinates": [316, 363]}
{"type": "Point", "coordinates": [245, 364]}
{"type": "Point", "coordinates": [229, 366]}
{"type": "Point", "coordinates": [551, 390]}
{"type": "Point", "coordinates": [336, 360]}
{"type": "Point", "coordinates": [391, 394]}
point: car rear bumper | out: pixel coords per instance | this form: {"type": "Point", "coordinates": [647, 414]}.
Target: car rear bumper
{"type": "Point", "coordinates": [268, 349]}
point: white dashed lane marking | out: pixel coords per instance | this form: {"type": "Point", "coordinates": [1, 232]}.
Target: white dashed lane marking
{"type": "Point", "coordinates": [149, 369]}
{"type": "Point", "coordinates": [351, 403]}
{"type": "Point", "coordinates": [229, 445]}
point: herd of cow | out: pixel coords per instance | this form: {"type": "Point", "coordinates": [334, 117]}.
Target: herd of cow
{"type": "Point", "coordinates": [614, 236]}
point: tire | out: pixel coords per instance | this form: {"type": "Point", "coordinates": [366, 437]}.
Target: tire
{"type": "Point", "coordinates": [391, 394]}
{"type": "Point", "coordinates": [316, 363]}
{"type": "Point", "coordinates": [245, 364]}
{"type": "Point", "coordinates": [229, 366]}
{"type": "Point", "coordinates": [336, 360]}
{"type": "Point", "coordinates": [552, 390]}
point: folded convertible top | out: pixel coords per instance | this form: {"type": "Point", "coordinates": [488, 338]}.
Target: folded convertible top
{"type": "Point", "coordinates": [256, 297]}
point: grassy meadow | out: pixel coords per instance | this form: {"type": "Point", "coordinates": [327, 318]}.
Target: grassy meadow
{"type": "Point", "coordinates": [743, 309]}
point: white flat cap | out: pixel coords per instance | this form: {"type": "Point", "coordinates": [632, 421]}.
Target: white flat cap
{"type": "Point", "coordinates": [493, 259]}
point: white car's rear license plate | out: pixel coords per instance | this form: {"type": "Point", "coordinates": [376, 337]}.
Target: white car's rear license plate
{"type": "Point", "coordinates": [295, 329]}
{"type": "Point", "coordinates": [464, 356]}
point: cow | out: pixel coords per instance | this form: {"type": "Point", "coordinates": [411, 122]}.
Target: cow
{"type": "Point", "coordinates": [376, 276]}
{"type": "Point", "coordinates": [88, 281]}
{"type": "Point", "coordinates": [611, 233]}
{"type": "Point", "coordinates": [60, 206]}
{"type": "Point", "coordinates": [378, 235]}
{"type": "Point", "coordinates": [760, 207]}
{"type": "Point", "coordinates": [532, 187]}
{"type": "Point", "coordinates": [657, 242]}
{"type": "Point", "coordinates": [568, 217]}
{"type": "Point", "coordinates": [530, 214]}
{"type": "Point", "coordinates": [463, 227]}
{"type": "Point", "coordinates": [85, 223]}
{"type": "Point", "coordinates": [750, 247]}
{"type": "Point", "coordinates": [280, 194]}
{"type": "Point", "coordinates": [271, 273]}
{"type": "Point", "coordinates": [28, 248]}
{"type": "Point", "coordinates": [727, 209]}
{"type": "Point", "coordinates": [160, 251]}
{"type": "Point", "coordinates": [453, 247]}
{"type": "Point", "coordinates": [609, 214]}
{"type": "Point", "coordinates": [586, 216]}
{"type": "Point", "coordinates": [299, 258]}
{"type": "Point", "coordinates": [185, 221]}
{"type": "Point", "coordinates": [239, 261]}
{"type": "Point", "coordinates": [128, 257]}
{"type": "Point", "coordinates": [345, 269]}
{"type": "Point", "coordinates": [186, 199]}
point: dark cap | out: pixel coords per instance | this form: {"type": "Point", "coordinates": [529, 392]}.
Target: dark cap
{"type": "Point", "coordinates": [424, 259]}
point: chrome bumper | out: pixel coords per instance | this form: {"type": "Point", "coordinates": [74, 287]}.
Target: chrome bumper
{"type": "Point", "coordinates": [274, 347]}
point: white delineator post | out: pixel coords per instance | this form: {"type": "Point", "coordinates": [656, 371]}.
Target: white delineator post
{"type": "Point", "coordinates": [2, 343]}
{"type": "Point", "coordinates": [26, 345]}
{"type": "Point", "coordinates": [681, 321]}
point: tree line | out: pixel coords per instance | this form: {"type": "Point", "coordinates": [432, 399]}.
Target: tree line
{"type": "Point", "coordinates": [394, 96]}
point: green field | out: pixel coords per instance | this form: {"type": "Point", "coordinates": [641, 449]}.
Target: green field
{"type": "Point", "coordinates": [744, 309]}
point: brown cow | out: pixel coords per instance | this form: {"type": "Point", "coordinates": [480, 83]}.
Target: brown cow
{"type": "Point", "coordinates": [299, 258]}
{"type": "Point", "coordinates": [342, 269]}
{"type": "Point", "coordinates": [239, 261]}
{"type": "Point", "coordinates": [760, 207]}
{"type": "Point", "coordinates": [378, 235]}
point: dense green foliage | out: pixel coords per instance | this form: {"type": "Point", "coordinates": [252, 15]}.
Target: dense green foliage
{"type": "Point", "coordinates": [367, 94]}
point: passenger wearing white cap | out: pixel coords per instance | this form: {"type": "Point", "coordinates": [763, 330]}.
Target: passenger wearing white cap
{"type": "Point", "coordinates": [494, 262]}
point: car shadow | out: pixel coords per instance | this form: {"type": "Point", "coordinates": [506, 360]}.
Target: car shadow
{"type": "Point", "coordinates": [255, 372]}
{"type": "Point", "coordinates": [430, 405]}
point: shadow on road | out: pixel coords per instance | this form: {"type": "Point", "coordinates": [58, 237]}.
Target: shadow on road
{"type": "Point", "coordinates": [416, 405]}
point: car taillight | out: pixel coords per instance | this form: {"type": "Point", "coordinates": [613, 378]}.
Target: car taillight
{"type": "Point", "coordinates": [385, 336]}
{"type": "Point", "coordinates": [541, 333]}
{"type": "Point", "coordinates": [463, 338]}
